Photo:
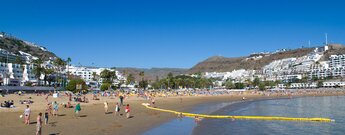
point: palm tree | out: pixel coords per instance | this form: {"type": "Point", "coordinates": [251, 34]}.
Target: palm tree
{"type": "Point", "coordinates": [142, 74]}
{"type": "Point", "coordinates": [47, 73]}
{"type": "Point", "coordinates": [130, 79]}
{"type": "Point", "coordinates": [38, 70]}
{"type": "Point", "coordinates": [69, 60]}
{"type": "Point", "coordinates": [59, 63]}
{"type": "Point", "coordinates": [94, 76]}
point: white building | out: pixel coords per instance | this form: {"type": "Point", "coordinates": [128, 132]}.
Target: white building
{"type": "Point", "coordinates": [87, 74]}
{"type": "Point", "coordinates": [289, 78]}
{"type": "Point", "coordinates": [16, 74]}
{"type": "Point", "coordinates": [303, 85]}
{"type": "Point", "coordinates": [335, 67]}
{"type": "Point", "coordinates": [238, 75]}
{"type": "Point", "coordinates": [334, 84]}
{"type": "Point", "coordinates": [336, 61]}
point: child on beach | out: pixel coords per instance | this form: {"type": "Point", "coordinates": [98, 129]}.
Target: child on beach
{"type": "Point", "coordinates": [127, 110]}
{"type": "Point", "coordinates": [117, 109]}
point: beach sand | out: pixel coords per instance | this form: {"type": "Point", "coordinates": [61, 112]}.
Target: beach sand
{"type": "Point", "coordinates": [93, 120]}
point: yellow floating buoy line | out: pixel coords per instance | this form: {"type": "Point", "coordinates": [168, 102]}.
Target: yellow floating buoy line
{"type": "Point", "coordinates": [239, 117]}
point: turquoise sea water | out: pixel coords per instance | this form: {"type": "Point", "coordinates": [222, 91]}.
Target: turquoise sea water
{"type": "Point", "coordinates": [328, 107]}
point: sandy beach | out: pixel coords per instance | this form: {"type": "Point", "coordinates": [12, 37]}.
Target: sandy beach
{"type": "Point", "coordinates": [93, 120]}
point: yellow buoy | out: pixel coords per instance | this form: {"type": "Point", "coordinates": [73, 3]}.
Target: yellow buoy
{"type": "Point", "coordinates": [240, 117]}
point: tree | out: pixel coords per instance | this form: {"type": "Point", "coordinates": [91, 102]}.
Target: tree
{"type": "Point", "coordinates": [320, 84]}
{"type": "Point", "coordinates": [69, 60]}
{"type": "Point", "coordinates": [143, 84]}
{"type": "Point", "coordinates": [229, 84]}
{"type": "Point", "coordinates": [72, 85]}
{"type": "Point", "coordinates": [239, 85]}
{"type": "Point", "coordinates": [47, 74]}
{"type": "Point", "coordinates": [108, 76]}
{"type": "Point", "coordinates": [59, 63]}
{"type": "Point", "coordinates": [105, 86]}
{"type": "Point", "coordinates": [170, 75]}
{"type": "Point", "coordinates": [38, 70]}
{"type": "Point", "coordinates": [94, 76]}
{"type": "Point", "coordinates": [130, 79]}
{"type": "Point", "coordinates": [256, 81]}
{"type": "Point", "coordinates": [262, 86]}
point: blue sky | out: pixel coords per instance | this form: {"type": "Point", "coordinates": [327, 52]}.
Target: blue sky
{"type": "Point", "coordinates": [176, 33]}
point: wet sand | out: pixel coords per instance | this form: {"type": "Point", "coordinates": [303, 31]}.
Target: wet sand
{"type": "Point", "coordinates": [95, 121]}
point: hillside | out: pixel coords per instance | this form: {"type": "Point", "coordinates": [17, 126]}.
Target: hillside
{"type": "Point", "coordinates": [15, 45]}
{"type": "Point", "coordinates": [334, 49]}
{"type": "Point", "coordinates": [151, 74]}
{"type": "Point", "coordinates": [223, 64]}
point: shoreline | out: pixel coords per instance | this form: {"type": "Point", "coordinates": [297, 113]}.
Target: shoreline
{"type": "Point", "coordinates": [96, 122]}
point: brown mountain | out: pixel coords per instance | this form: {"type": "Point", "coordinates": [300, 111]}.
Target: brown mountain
{"type": "Point", "coordinates": [223, 64]}
{"type": "Point", "coordinates": [334, 49]}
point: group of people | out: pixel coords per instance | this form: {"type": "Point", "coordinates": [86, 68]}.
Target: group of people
{"type": "Point", "coordinates": [117, 109]}
{"type": "Point", "coordinates": [8, 104]}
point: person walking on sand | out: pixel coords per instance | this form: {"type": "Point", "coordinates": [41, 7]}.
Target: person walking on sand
{"type": "Point", "coordinates": [49, 109]}
{"type": "Point", "coordinates": [105, 107]}
{"type": "Point", "coordinates": [56, 108]}
{"type": "Point", "coordinates": [27, 113]}
{"type": "Point", "coordinates": [77, 110]}
{"type": "Point", "coordinates": [121, 100]}
{"type": "Point", "coordinates": [153, 102]}
{"type": "Point", "coordinates": [127, 110]}
{"type": "Point", "coordinates": [46, 116]}
{"type": "Point", "coordinates": [117, 109]}
{"type": "Point", "coordinates": [39, 124]}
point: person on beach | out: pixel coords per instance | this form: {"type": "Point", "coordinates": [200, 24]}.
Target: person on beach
{"type": "Point", "coordinates": [50, 108]}
{"type": "Point", "coordinates": [27, 113]}
{"type": "Point", "coordinates": [56, 108]}
{"type": "Point", "coordinates": [180, 116]}
{"type": "Point", "coordinates": [117, 109]}
{"type": "Point", "coordinates": [153, 102]}
{"type": "Point", "coordinates": [127, 110]}
{"type": "Point", "coordinates": [70, 97]}
{"type": "Point", "coordinates": [197, 119]}
{"type": "Point", "coordinates": [46, 116]}
{"type": "Point", "coordinates": [39, 124]}
{"type": "Point", "coordinates": [77, 110]}
{"type": "Point", "coordinates": [121, 100]}
{"type": "Point", "coordinates": [105, 107]}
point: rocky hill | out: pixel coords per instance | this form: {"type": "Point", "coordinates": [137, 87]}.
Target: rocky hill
{"type": "Point", "coordinates": [334, 49]}
{"type": "Point", "coordinates": [15, 45]}
{"type": "Point", "coordinates": [256, 62]}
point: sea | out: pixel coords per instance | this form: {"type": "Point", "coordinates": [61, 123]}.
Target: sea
{"type": "Point", "coordinates": [327, 107]}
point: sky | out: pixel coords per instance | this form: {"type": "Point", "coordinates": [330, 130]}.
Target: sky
{"type": "Point", "coordinates": [170, 33]}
